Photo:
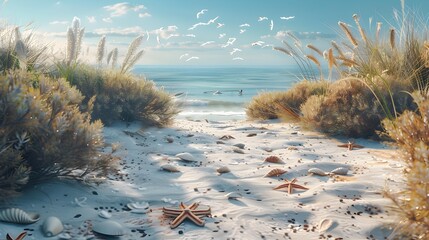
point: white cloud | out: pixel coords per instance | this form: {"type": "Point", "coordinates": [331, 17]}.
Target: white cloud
{"type": "Point", "coordinates": [144, 15]}
{"type": "Point", "coordinates": [123, 8]}
{"type": "Point", "coordinates": [91, 19]}
{"type": "Point", "coordinates": [59, 22]}
{"type": "Point", "coordinates": [130, 31]}
{"type": "Point", "coordinates": [108, 20]}
{"type": "Point", "coordinates": [166, 33]}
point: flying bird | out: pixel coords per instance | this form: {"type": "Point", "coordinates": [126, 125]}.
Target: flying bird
{"type": "Point", "coordinates": [157, 39]}
{"type": "Point", "coordinates": [234, 50]}
{"type": "Point", "coordinates": [242, 31]}
{"type": "Point", "coordinates": [229, 42]}
{"type": "Point", "coordinates": [207, 43]}
{"type": "Point", "coordinates": [203, 23]}
{"type": "Point", "coordinates": [184, 55]}
{"type": "Point", "coordinates": [258, 43]}
{"type": "Point", "coordinates": [212, 20]}
{"type": "Point", "coordinates": [287, 18]}
{"type": "Point", "coordinates": [245, 25]}
{"type": "Point", "coordinates": [271, 25]}
{"type": "Point", "coordinates": [219, 25]}
{"type": "Point", "coordinates": [221, 35]}
{"type": "Point", "coordinates": [192, 58]}
{"type": "Point", "coordinates": [262, 19]}
{"type": "Point", "coordinates": [201, 13]}
{"type": "Point", "coordinates": [237, 58]}
{"type": "Point", "coordinates": [147, 38]}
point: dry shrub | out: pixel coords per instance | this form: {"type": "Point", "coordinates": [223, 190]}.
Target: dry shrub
{"type": "Point", "coordinates": [411, 133]}
{"type": "Point", "coordinates": [43, 130]}
{"type": "Point", "coordinates": [271, 105]}
{"type": "Point", "coordinates": [123, 96]}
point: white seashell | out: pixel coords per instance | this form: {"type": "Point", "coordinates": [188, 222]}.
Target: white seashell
{"type": "Point", "coordinates": [239, 145]}
{"type": "Point", "coordinates": [109, 227]}
{"type": "Point", "coordinates": [317, 171]}
{"type": "Point", "coordinates": [138, 205]}
{"type": "Point", "coordinates": [340, 171]}
{"type": "Point", "coordinates": [104, 214]}
{"type": "Point", "coordinates": [325, 224]}
{"type": "Point", "coordinates": [16, 215]}
{"type": "Point", "coordinates": [275, 172]}
{"type": "Point", "coordinates": [223, 169]}
{"type": "Point", "coordinates": [233, 195]}
{"type": "Point", "coordinates": [169, 168]}
{"type": "Point", "coordinates": [238, 150]}
{"type": "Point", "coordinates": [139, 210]}
{"type": "Point", "coordinates": [64, 236]}
{"type": "Point", "coordinates": [186, 157]}
{"type": "Point", "coordinates": [52, 226]}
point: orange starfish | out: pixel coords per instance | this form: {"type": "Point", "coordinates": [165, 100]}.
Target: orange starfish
{"type": "Point", "coordinates": [350, 145]}
{"type": "Point", "coordinates": [186, 212]}
{"type": "Point", "coordinates": [290, 186]}
{"type": "Point", "coordinates": [20, 236]}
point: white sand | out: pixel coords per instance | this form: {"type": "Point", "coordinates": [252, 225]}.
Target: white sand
{"type": "Point", "coordinates": [354, 202]}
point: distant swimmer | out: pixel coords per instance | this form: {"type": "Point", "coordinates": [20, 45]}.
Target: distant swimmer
{"type": "Point", "coordinates": [217, 92]}
{"type": "Point", "coordinates": [240, 92]}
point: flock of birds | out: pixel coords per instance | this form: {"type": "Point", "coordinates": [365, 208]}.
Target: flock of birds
{"type": "Point", "coordinates": [231, 40]}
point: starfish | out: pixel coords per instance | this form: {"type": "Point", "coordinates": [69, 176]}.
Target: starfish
{"type": "Point", "coordinates": [290, 186]}
{"type": "Point", "coordinates": [20, 236]}
{"type": "Point", "coordinates": [350, 145]}
{"type": "Point", "coordinates": [186, 212]}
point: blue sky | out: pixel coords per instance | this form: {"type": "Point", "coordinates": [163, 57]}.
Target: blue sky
{"type": "Point", "coordinates": [170, 21]}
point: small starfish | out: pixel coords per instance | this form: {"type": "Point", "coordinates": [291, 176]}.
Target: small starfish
{"type": "Point", "coordinates": [186, 212]}
{"type": "Point", "coordinates": [20, 236]}
{"type": "Point", "coordinates": [290, 186]}
{"type": "Point", "coordinates": [350, 145]}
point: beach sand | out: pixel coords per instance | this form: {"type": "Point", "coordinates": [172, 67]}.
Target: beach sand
{"type": "Point", "coordinates": [354, 202]}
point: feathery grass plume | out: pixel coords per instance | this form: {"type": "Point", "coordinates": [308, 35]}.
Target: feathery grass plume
{"type": "Point", "coordinates": [132, 51]}
{"type": "Point", "coordinates": [315, 49]}
{"type": "Point", "coordinates": [331, 61]}
{"type": "Point", "coordinates": [21, 54]}
{"type": "Point", "coordinates": [114, 57]}
{"type": "Point", "coordinates": [392, 38]}
{"type": "Point", "coordinates": [377, 33]}
{"type": "Point", "coordinates": [348, 33]}
{"type": "Point", "coordinates": [297, 41]}
{"type": "Point", "coordinates": [71, 49]}
{"type": "Point", "coordinates": [109, 57]}
{"type": "Point", "coordinates": [74, 41]}
{"type": "Point", "coordinates": [283, 50]}
{"type": "Point", "coordinates": [315, 61]}
{"type": "Point", "coordinates": [347, 62]}
{"type": "Point", "coordinates": [425, 54]}
{"type": "Point", "coordinates": [361, 31]}
{"type": "Point", "coordinates": [337, 48]}
{"type": "Point", "coordinates": [133, 60]}
{"type": "Point", "coordinates": [100, 50]}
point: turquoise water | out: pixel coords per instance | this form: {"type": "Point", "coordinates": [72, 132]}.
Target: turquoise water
{"type": "Point", "coordinates": [214, 93]}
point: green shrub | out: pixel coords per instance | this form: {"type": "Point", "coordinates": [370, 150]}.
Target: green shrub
{"type": "Point", "coordinates": [43, 130]}
{"type": "Point", "coordinates": [411, 133]}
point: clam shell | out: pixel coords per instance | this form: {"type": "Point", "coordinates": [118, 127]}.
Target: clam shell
{"type": "Point", "coordinates": [317, 171]}
{"type": "Point", "coordinates": [340, 171]}
{"type": "Point", "coordinates": [273, 159]}
{"type": "Point", "coordinates": [104, 214]}
{"type": "Point", "coordinates": [109, 227]}
{"type": "Point", "coordinates": [138, 205]}
{"type": "Point", "coordinates": [233, 195]}
{"type": "Point", "coordinates": [238, 150]}
{"type": "Point", "coordinates": [64, 236]}
{"type": "Point", "coordinates": [169, 168]}
{"type": "Point", "coordinates": [186, 157]}
{"type": "Point", "coordinates": [16, 215]}
{"type": "Point", "coordinates": [325, 224]}
{"type": "Point", "coordinates": [169, 139]}
{"type": "Point", "coordinates": [275, 172]}
{"type": "Point", "coordinates": [223, 169]}
{"type": "Point", "coordinates": [239, 145]}
{"type": "Point", "coordinates": [52, 226]}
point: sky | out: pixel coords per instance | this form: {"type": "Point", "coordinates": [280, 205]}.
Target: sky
{"type": "Point", "coordinates": [200, 32]}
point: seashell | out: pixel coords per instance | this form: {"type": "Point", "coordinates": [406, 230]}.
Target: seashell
{"type": "Point", "coordinates": [52, 226]}
{"type": "Point", "coordinates": [325, 224]}
{"type": "Point", "coordinates": [186, 157]}
{"type": "Point", "coordinates": [64, 236]}
{"type": "Point", "coordinates": [16, 215]}
{"type": "Point", "coordinates": [233, 195]}
{"type": "Point", "coordinates": [239, 145]}
{"type": "Point", "coordinates": [169, 139]}
{"type": "Point", "coordinates": [317, 171]}
{"type": "Point", "coordinates": [275, 172]}
{"type": "Point", "coordinates": [104, 214]}
{"type": "Point", "coordinates": [223, 169]}
{"type": "Point", "coordinates": [138, 205]}
{"type": "Point", "coordinates": [340, 171]}
{"type": "Point", "coordinates": [109, 227]}
{"type": "Point", "coordinates": [273, 159]}
{"type": "Point", "coordinates": [238, 150]}
{"type": "Point", "coordinates": [169, 168]}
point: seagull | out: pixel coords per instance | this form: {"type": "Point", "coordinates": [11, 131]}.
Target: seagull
{"type": "Point", "coordinates": [234, 50]}
{"type": "Point", "coordinates": [203, 23]}
{"type": "Point", "coordinates": [157, 39]}
{"type": "Point", "coordinates": [262, 19]}
{"type": "Point", "coordinates": [201, 12]}
{"type": "Point", "coordinates": [245, 25]}
{"type": "Point", "coordinates": [192, 58]}
{"type": "Point", "coordinates": [212, 20]}
{"type": "Point", "coordinates": [242, 31]}
{"type": "Point", "coordinates": [184, 55]}
{"type": "Point", "coordinates": [237, 58]}
{"type": "Point", "coordinates": [229, 42]}
{"type": "Point", "coordinates": [147, 38]}
{"type": "Point", "coordinates": [287, 18]}
{"type": "Point", "coordinates": [258, 43]}
{"type": "Point", "coordinates": [221, 35]}
{"type": "Point", "coordinates": [271, 25]}
{"type": "Point", "coordinates": [207, 43]}
{"type": "Point", "coordinates": [219, 25]}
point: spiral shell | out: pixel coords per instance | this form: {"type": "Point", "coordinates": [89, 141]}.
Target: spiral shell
{"type": "Point", "coordinates": [109, 227]}
{"type": "Point", "coordinates": [273, 159]}
{"type": "Point", "coordinates": [16, 215]}
{"type": "Point", "coordinates": [223, 169]}
{"type": "Point", "coordinates": [52, 226]}
{"type": "Point", "coordinates": [169, 168]}
{"type": "Point", "coordinates": [340, 171]}
{"type": "Point", "coordinates": [275, 172]}
{"type": "Point", "coordinates": [317, 171]}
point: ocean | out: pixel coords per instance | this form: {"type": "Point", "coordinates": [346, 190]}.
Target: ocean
{"type": "Point", "coordinates": [218, 93]}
